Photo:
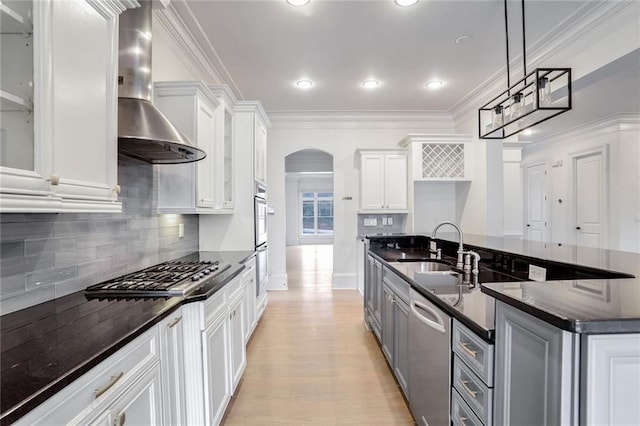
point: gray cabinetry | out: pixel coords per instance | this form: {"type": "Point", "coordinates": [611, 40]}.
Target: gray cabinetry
{"type": "Point", "coordinates": [373, 295]}
{"type": "Point", "coordinates": [401, 344]}
{"type": "Point", "coordinates": [388, 323]}
{"type": "Point", "coordinates": [533, 371]}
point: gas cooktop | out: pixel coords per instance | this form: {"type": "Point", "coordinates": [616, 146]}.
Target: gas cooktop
{"type": "Point", "coordinates": [173, 278]}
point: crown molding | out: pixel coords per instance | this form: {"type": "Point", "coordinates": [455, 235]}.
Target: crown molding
{"type": "Point", "coordinates": [109, 9]}
{"type": "Point", "coordinates": [441, 138]}
{"type": "Point", "coordinates": [608, 125]}
{"type": "Point", "coordinates": [563, 41]}
{"type": "Point", "coordinates": [184, 88]}
{"type": "Point", "coordinates": [255, 107]}
{"type": "Point", "coordinates": [224, 92]}
{"type": "Point", "coordinates": [362, 120]}
{"type": "Point", "coordinates": [187, 45]}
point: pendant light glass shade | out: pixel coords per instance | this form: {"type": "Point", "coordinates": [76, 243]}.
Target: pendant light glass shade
{"type": "Point", "coordinates": [515, 108]}
{"type": "Point", "coordinates": [497, 117]}
{"type": "Point", "coordinates": [544, 92]}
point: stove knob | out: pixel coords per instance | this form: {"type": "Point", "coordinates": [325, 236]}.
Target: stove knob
{"type": "Point", "coordinates": [206, 271]}
{"type": "Point", "coordinates": [207, 261]}
{"type": "Point", "coordinates": [195, 278]}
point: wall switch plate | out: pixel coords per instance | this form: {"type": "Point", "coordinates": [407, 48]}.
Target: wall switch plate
{"type": "Point", "coordinates": [537, 273]}
{"type": "Point", "coordinates": [389, 221]}
{"type": "Point", "coordinates": [384, 221]}
{"type": "Point", "coordinates": [181, 230]}
{"type": "Point", "coordinates": [433, 245]}
{"type": "Point", "coordinates": [372, 221]}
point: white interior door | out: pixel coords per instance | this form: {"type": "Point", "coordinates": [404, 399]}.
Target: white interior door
{"type": "Point", "coordinates": [535, 203]}
{"type": "Point", "coordinates": [589, 184]}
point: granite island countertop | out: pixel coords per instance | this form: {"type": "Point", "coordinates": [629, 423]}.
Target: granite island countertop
{"type": "Point", "coordinates": [47, 346]}
{"type": "Point", "coordinates": [607, 305]}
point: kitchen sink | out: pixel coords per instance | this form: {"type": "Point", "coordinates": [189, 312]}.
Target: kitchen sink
{"type": "Point", "coordinates": [427, 265]}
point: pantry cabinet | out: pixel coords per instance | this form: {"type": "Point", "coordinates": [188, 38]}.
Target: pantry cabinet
{"type": "Point", "coordinates": [71, 52]}
{"type": "Point", "coordinates": [383, 181]}
{"type": "Point", "coordinates": [188, 188]}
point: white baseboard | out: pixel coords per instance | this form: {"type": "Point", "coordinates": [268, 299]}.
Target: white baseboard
{"type": "Point", "coordinates": [278, 282]}
{"type": "Point", "coordinates": [344, 281]}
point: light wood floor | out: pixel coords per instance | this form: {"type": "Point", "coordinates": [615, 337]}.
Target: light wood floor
{"type": "Point", "coordinates": [311, 361]}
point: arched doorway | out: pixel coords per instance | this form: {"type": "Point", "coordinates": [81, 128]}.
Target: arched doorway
{"type": "Point", "coordinates": [309, 215]}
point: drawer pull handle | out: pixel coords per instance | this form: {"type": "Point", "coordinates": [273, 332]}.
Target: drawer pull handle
{"type": "Point", "coordinates": [462, 420]}
{"type": "Point", "coordinates": [113, 381]}
{"type": "Point", "coordinates": [175, 321]}
{"type": "Point", "coordinates": [469, 391]}
{"type": "Point", "coordinates": [465, 347]}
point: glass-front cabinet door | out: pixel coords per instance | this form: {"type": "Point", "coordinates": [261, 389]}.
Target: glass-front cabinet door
{"type": "Point", "coordinates": [224, 147]}
{"type": "Point", "coordinates": [58, 140]}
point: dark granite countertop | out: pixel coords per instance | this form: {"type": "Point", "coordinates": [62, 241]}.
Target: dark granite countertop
{"type": "Point", "coordinates": [47, 346]}
{"type": "Point", "coordinates": [579, 306]}
{"type": "Point", "coordinates": [465, 303]}
{"type": "Point", "coordinates": [610, 304]}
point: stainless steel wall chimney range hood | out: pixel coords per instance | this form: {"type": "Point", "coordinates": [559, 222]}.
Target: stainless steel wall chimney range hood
{"type": "Point", "coordinates": [143, 131]}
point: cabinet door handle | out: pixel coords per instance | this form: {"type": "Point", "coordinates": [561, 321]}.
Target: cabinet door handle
{"type": "Point", "coordinates": [578, 228]}
{"type": "Point", "coordinates": [174, 322]}
{"type": "Point", "coordinates": [465, 347]}
{"type": "Point", "coordinates": [54, 179]}
{"type": "Point", "coordinates": [119, 421]}
{"type": "Point", "coordinates": [462, 420]}
{"type": "Point", "coordinates": [466, 388]}
{"type": "Point", "coordinates": [117, 189]}
{"type": "Point", "coordinates": [113, 381]}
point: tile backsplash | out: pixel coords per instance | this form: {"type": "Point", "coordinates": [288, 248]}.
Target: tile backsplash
{"type": "Point", "coordinates": [45, 256]}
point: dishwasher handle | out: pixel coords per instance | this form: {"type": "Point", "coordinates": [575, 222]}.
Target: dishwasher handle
{"type": "Point", "coordinates": [438, 325]}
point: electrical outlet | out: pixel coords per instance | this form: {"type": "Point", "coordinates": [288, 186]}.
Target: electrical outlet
{"type": "Point", "coordinates": [537, 273]}
{"type": "Point", "coordinates": [433, 245]}
{"type": "Point", "coordinates": [181, 230]}
{"type": "Point", "coordinates": [371, 221]}
{"type": "Point", "coordinates": [384, 221]}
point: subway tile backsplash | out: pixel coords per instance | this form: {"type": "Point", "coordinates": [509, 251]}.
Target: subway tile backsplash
{"type": "Point", "coordinates": [45, 256]}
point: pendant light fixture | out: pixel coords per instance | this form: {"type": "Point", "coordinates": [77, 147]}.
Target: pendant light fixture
{"type": "Point", "coordinates": [538, 96]}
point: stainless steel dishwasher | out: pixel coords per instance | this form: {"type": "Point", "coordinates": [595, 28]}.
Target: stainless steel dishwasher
{"type": "Point", "coordinates": [429, 362]}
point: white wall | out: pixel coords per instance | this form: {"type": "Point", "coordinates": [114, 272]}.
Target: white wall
{"type": "Point", "coordinates": [433, 203]}
{"type": "Point", "coordinates": [340, 139]}
{"type": "Point", "coordinates": [621, 136]}
{"type": "Point", "coordinates": [166, 64]}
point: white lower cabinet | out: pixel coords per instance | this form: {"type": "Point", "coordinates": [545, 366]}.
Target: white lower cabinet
{"type": "Point", "coordinates": [215, 351]}
{"type": "Point", "coordinates": [172, 360]}
{"type": "Point", "coordinates": [249, 279]}
{"type": "Point", "coordinates": [112, 386]}
{"type": "Point", "coordinates": [237, 346]}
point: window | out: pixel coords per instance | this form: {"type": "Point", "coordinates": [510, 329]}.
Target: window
{"type": "Point", "coordinates": [317, 213]}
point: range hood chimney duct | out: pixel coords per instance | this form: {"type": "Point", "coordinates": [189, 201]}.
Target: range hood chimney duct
{"type": "Point", "coordinates": [143, 131]}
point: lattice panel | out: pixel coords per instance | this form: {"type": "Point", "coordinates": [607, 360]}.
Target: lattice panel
{"type": "Point", "coordinates": [442, 160]}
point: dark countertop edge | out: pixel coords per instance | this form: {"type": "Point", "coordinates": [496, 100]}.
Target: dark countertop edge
{"type": "Point", "coordinates": [603, 326]}
{"type": "Point", "coordinates": [20, 410]}
{"type": "Point", "coordinates": [487, 335]}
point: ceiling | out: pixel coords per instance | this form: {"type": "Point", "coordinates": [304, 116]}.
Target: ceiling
{"type": "Point", "coordinates": [266, 46]}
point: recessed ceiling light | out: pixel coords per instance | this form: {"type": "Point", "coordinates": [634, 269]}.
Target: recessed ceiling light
{"type": "Point", "coordinates": [463, 39]}
{"type": "Point", "coordinates": [434, 84]}
{"type": "Point", "coordinates": [370, 84]}
{"type": "Point", "coordinates": [527, 132]}
{"type": "Point", "coordinates": [405, 3]}
{"type": "Point", "coordinates": [304, 84]}
{"type": "Point", "coordinates": [297, 2]}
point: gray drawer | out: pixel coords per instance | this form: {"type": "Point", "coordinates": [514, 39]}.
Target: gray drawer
{"type": "Point", "coordinates": [474, 351]}
{"type": "Point", "coordinates": [461, 413]}
{"type": "Point", "coordinates": [474, 392]}
{"type": "Point", "coordinates": [399, 286]}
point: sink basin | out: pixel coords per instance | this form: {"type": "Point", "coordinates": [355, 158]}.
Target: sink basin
{"type": "Point", "coordinates": [426, 265]}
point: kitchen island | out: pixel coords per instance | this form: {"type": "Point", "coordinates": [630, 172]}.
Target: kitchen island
{"type": "Point", "coordinates": [550, 337]}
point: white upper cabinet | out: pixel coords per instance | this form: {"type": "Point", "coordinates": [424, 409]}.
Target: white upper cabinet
{"type": "Point", "coordinates": [256, 133]}
{"type": "Point", "coordinates": [224, 141]}
{"type": "Point", "coordinates": [190, 187]}
{"type": "Point", "coordinates": [383, 181]}
{"type": "Point", "coordinates": [437, 157]}
{"type": "Point", "coordinates": [59, 150]}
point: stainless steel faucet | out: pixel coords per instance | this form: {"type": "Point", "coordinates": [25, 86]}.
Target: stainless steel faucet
{"type": "Point", "coordinates": [464, 257]}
